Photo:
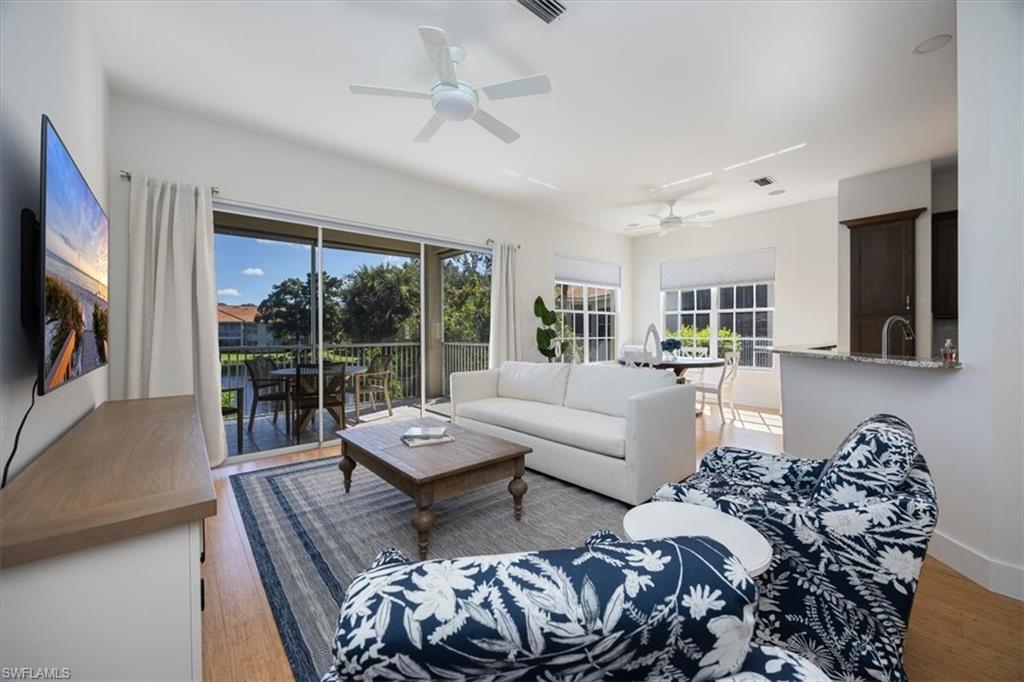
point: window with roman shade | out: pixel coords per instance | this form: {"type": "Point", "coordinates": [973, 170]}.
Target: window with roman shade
{"type": "Point", "coordinates": [722, 303]}
{"type": "Point", "coordinates": [587, 302]}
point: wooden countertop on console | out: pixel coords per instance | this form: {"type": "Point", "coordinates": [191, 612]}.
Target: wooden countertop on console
{"type": "Point", "coordinates": [129, 467]}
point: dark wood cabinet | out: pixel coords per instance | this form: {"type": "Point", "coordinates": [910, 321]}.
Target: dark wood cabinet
{"type": "Point", "coordinates": [944, 268]}
{"type": "Point", "coordinates": [881, 279]}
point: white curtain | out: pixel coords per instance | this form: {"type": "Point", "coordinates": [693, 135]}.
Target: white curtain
{"type": "Point", "coordinates": [172, 301]}
{"type": "Point", "coordinates": [504, 306]}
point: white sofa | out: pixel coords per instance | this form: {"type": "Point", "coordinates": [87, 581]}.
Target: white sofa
{"type": "Point", "coordinates": [619, 431]}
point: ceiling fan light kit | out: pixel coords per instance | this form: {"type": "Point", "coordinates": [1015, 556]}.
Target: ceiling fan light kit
{"type": "Point", "coordinates": [673, 222]}
{"type": "Point", "coordinates": [455, 100]}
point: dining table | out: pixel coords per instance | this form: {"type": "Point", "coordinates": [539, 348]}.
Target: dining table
{"type": "Point", "coordinates": [679, 366]}
{"type": "Point", "coordinates": [329, 369]}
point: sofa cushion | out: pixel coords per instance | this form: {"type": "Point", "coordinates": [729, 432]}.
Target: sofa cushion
{"type": "Point", "coordinates": [605, 389]}
{"type": "Point", "coordinates": [874, 460]}
{"type": "Point", "coordinates": [585, 430]}
{"type": "Point", "coordinates": [659, 609]}
{"type": "Point", "coordinates": [537, 381]}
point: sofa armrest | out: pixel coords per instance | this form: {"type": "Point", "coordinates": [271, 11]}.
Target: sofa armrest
{"type": "Point", "coordinates": [469, 386]}
{"type": "Point", "coordinates": [660, 438]}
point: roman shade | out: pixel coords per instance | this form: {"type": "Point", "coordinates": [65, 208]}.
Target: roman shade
{"type": "Point", "coordinates": [585, 271]}
{"type": "Point", "coordinates": [716, 271]}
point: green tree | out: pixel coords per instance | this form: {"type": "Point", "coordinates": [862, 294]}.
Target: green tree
{"type": "Point", "coordinates": [381, 303]}
{"type": "Point", "coordinates": [467, 298]}
{"type": "Point", "coordinates": [287, 309]}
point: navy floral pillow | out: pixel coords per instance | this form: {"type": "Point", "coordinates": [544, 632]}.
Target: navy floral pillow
{"type": "Point", "coordinates": [680, 608]}
{"type": "Point", "coordinates": [874, 460]}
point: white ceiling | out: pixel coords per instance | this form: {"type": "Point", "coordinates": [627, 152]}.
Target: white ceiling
{"type": "Point", "coordinates": [644, 93]}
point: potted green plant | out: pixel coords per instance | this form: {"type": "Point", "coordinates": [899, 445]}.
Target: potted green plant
{"type": "Point", "coordinates": [547, 333]}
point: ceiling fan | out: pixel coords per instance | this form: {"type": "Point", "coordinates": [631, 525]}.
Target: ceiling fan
{"type": "Point", "coordinates": [455, 100]}
{"type": "Point", "coordinates": [673, 222]}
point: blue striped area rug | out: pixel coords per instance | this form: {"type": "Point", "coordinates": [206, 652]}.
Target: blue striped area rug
{"type": "Point", "coordinates": [310, 538]}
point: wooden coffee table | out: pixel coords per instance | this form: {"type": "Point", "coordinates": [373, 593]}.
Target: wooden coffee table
{"type": "Point", "coordinates": [433, 472]}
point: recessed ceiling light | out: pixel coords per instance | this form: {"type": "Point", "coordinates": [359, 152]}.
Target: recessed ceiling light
{"type": "Point", "coordinates": [689, 179]}
{"type": "Point", "coordinates": [776, 192]}
{"type": "Point", "coordinates": [933, 43]}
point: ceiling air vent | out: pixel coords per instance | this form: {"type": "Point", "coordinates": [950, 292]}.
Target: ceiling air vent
{"type": "Point", "coordinates": [764, 181]}
{"type": "Point", "coordinates": [545, 10]}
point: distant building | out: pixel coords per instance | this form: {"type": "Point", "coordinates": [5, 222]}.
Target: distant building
{"type": "Point", "coordinates": [237, 326]}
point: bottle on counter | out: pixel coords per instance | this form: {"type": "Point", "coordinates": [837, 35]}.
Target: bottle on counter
{"type": "Point", "coordinates": [948, 352]}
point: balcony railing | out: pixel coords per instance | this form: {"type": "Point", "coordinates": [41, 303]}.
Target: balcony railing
{"type": "Point", "coordinates": [405, 365]}
{"type": "Point", "coordinates": [462, 357]}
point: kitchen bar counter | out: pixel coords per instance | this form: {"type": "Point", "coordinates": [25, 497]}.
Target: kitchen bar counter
{"type": "Point", "coordinates": [833, 353]}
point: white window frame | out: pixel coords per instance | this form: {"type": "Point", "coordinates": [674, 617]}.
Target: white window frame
{"type": "Point", "coordinates": [616, 291]}
{"type": "Point", "coordinates": [714, 317]}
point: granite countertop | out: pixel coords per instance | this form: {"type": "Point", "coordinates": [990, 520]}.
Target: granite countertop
{"type": "Point", "coordinates": [833, 353]}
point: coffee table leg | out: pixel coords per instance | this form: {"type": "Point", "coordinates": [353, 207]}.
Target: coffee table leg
{"type": "Point", "coordinates": [347, 465]}
{"type": "Point", "coordinates": [517, 486]}
{"type": "Point", "coordinates": [423, 521]}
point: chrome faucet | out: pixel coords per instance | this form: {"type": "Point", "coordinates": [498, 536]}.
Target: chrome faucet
{"type": "Point", "coordinates": [908, 332]}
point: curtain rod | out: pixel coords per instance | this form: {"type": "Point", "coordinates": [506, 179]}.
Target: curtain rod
{"type": "Point", "coordinates": [128, 176]}
{"type": "Point", "coordinates": [491, 242]}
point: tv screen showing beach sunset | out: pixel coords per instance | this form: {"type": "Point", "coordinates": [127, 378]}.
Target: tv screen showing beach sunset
{"type": "Point", "coordinates": [75, 270]}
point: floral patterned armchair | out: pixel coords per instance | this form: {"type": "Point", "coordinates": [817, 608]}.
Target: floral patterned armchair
{"type": "Point", "coordinates": [679, 608]}
{"type": "Point", "coordinates": [849, 537]}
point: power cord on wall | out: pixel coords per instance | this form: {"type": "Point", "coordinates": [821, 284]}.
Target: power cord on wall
{"type": "Point", "coordinates": [17, 436]}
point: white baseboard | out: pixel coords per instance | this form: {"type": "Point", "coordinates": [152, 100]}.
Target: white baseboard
{"type": "Point", "coordinates": [992, 574]}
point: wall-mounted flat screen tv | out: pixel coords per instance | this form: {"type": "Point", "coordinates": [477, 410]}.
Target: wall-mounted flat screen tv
{"type": "Point", "coordinates": [73, 290]}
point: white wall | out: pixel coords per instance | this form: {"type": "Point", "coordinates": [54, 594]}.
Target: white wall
{"type": "Point", "coordinates": [255, 167]}
{"type": "Point", "coordinates": [888, 191]}
{"type": "Point", "coordinates": [944, 191]}
{"type": "Point", "coordinates": [969, 423]}
{"type": "Point", "coordinates": [46, 67]}
{"type": "Point", "coordinates": [804, 239]}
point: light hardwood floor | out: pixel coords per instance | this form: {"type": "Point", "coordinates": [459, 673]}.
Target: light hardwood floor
{"type": "Point", "coordinates": [958, 630]}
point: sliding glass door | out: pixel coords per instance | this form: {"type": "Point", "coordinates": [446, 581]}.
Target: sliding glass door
{"type": "Point", "coordinates": [322, 329]}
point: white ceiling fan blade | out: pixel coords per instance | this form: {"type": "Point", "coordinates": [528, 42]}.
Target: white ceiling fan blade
{"type": "Point", "coordinates": [428, 131]}
{"type": "Point", "coordinates": [636, 228]}
{"type": "Point", "coordinates": [504, 133]}
{"type": "Point", "coordinates": [537, 84]}
{"type": "Point", "coordinates": [699, 214]}
{"type": "Point", "coordinates": [436, 42]}
{"type": "Point", "coordinates": [357, 89]}
{"type": "Point", "coordinates": [655, 215]}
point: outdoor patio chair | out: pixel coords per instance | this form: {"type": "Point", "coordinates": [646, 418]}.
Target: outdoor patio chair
{"type": "Point", "coordinates": [265, 386]}
{"type": "Point", "coordinates": [373, 383]}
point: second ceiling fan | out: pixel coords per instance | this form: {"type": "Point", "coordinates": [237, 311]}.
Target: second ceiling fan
{"type": "Point", "coordinates": [673, 222]}
{"type": "Point", "coordinates": [455, 100]}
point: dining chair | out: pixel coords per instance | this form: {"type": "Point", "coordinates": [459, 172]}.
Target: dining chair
{"type": "Point", "coordinates": [724, 387]}
{"type": "Point", "coordinates": [692, 352]}
{"type": "Point", "coordinates": [335, 378]}
{"type": "Point", "coordinates": [265, 386]}
{"type": "Point", "coordinates": [305, 399]}
{"type": "Point", "coordinates": [234, 408]}
{"type": "Point", "coordinates": [374, 382]}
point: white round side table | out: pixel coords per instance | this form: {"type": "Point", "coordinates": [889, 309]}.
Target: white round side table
{"type": "Point", "coordinates": [674, 519]}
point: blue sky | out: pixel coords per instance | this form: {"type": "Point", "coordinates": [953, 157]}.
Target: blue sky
{"type": "Point", "coordinates": [76, 229]}
{"type": "Point", "coordinates": [248, 268]}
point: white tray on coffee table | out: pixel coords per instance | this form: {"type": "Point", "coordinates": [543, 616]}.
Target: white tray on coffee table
{"type": "Point", "coordinates": [675, 519]}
